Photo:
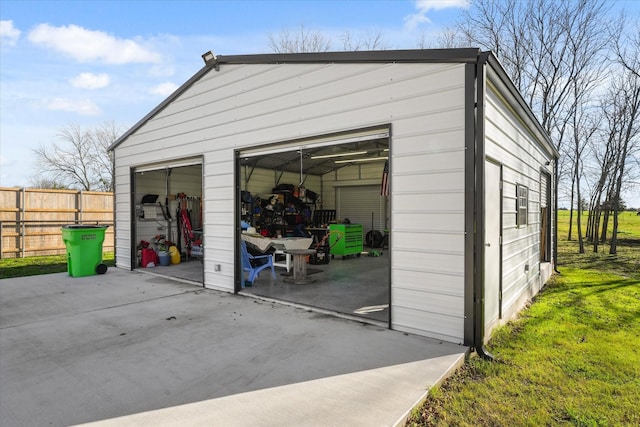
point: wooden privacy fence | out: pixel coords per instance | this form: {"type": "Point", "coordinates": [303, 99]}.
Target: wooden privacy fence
{"type": "Point", "coordinates": [31, 219]}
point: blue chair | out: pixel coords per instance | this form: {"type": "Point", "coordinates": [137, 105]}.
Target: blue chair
{"type": "Point", "coordinates": [251, 264]}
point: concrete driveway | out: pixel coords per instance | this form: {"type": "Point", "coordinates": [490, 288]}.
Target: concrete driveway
{"type": "Point", "coordinates": [128, 348]}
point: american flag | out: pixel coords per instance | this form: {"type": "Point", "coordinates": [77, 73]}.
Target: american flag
{"type": "Point", "coordinates": [384, 186]}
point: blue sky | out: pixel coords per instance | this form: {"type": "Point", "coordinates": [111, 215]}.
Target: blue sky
{"type": "Point", "coordinates": [91, 62]}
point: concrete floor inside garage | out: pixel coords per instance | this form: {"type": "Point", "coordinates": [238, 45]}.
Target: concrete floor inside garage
{"type": "Point", "coordinates": [190, 271]}
{"type": "Point", "coordinates": [355, 286]}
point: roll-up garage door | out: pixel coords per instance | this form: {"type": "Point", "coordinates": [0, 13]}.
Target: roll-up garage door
{"type": "Point", "coordinates": [360, 204]}
{"type": "Point", "coordinates": [169, 164]}
{"type": "Point", "coordinates": [346, 138]}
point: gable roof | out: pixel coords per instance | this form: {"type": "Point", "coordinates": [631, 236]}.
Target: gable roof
{"type": "Point", "coordinates": [382, 56]}
{"type": "Point", "coordinates": [461, 55]}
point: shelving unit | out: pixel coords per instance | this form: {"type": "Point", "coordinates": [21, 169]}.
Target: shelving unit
{"type": "Point", "coordinates": [150, 212]}
{"type": "Point", "coordinates": [281, 217]}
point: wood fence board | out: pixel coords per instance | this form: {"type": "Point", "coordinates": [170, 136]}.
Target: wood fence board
{"type": "Point", "coordinates": [31, 219]}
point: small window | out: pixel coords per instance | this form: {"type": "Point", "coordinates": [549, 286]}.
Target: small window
{"type": "Point", "coordinates": [522, 194]}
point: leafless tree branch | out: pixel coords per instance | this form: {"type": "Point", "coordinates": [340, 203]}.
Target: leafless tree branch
{"type": "Point", "coordinates": [80, 160]}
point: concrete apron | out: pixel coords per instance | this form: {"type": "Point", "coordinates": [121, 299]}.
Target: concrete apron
{"type": "Point", "coordinates": [127, 348]}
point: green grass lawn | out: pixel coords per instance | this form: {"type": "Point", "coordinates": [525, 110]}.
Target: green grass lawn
{"type": "Point", "coordinates": [571, 358]}
{"type": "Point", "coordinates": [31, 266]}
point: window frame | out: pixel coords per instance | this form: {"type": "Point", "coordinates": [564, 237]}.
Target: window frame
{"type": "Point", "coordinates": [522, 206]}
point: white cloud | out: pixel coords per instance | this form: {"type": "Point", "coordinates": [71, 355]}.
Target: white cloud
{"type": "Point", "coordinates": [9, 34]}
{"type": "Point", "coordinates": [90, 81]}
{"type": "Point", "coordinates": [159, 71]}
{"type": "Point", "coordinates": [425, 6]}
{"type": "Point", "coordinates": [164, 89]}
{"type": "Point", "coordinates": [84, 107]}
{"type": "Point", "coordinates": [86, 45]}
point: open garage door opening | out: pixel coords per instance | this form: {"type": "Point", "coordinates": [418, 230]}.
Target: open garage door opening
{"type": "Point", "coordinates": [167, 231]}
{"type": "Point", "coordinates": [319, 210]}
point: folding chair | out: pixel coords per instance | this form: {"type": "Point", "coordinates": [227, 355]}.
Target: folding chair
{"type": "Point", "coordinates": [251, 264]}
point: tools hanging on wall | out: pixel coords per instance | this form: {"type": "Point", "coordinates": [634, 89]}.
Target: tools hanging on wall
{"type": "Point", "coordinates": [184, 222]}
{"type": "Point", "coordinates": [193, 205]}
{"type": "Point", "coordinates": [188, 222]}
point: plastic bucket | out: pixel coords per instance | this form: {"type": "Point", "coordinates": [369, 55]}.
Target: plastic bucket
{"type": "Point", "coordinates": [165, 258]}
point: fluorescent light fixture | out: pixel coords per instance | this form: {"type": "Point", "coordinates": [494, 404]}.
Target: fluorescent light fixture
{"type": "Point", "coordinates": [368, 159]}
{"type": "Point", "coordinates": [326, 156]}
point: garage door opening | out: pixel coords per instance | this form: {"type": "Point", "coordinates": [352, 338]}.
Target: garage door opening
{"type": "Point", "coordinates": [167, 230]}
{"type": "Point", "coordinates": [329, 196]}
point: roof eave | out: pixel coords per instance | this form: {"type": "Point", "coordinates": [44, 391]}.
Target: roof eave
{"type": "Point", "coordinates": [521, 105]}
{"type": "Point", "coordinates": [461, 55]}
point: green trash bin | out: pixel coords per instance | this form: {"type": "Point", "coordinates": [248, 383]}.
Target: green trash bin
{"type": "Point", "coordinates": [84, 249]}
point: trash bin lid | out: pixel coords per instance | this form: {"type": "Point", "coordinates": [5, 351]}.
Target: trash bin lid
{"type": "Point", "coordinates": [79, 226]}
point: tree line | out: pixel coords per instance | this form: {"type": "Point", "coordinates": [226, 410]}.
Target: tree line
{"type": "Point", "coordinates": [575, 62]}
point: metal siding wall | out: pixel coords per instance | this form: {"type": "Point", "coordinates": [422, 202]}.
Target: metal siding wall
{"type": "Point", "coordinates": [122, 217]}
{"type": "Point", "coordinates": [427, 188]}
{"type": "Point", "coordinates": [244, 106]}
{"type": "Point", "coordinates": [509, 142]}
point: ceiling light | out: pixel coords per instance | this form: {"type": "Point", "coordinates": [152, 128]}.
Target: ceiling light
{"type": "Point", "coordinates": [368, 159]}
{"type": "Point", "coordinates": [326, 156]}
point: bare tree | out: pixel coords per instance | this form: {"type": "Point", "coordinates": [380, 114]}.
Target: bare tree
{"type": "Point", "coordinates": [584, 128]}
{"type": "Point", "coordinates": [500, 27]}
{"type": "Point", "coordinates": [304, 41]}
{"type": "Point", "coordinates": [626, 103]}
{"type": "Point", "coordinates": [604, 152]}
{"type": "Point", "coordinates": [367, 40]}
{"type": "Point", "coordinates": [578, 117]}
{"type": "Point", "coordinates": [46, 183]}
{"type": "Point", "coordinates": [103, 136]}
{"type": "Point", "coordinates": [556, 53]}
{"type": "Point", "coordinates": [80, 160]}
{"type": "Point", "coordinates": [619, 144]}
{"type": "Point", "coordinates": [545, 46]}
{"type": "Point", "coordinates": [449, 38]}
{"type": "Point", "coordinates": [300, 41]}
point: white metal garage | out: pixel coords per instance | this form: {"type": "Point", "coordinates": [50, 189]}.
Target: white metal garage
{"type": "Point", "coordinates": [446, 113]}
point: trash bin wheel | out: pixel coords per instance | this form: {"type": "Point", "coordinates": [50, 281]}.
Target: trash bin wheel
{"type": "Point", "coordinates": [101, 268]}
